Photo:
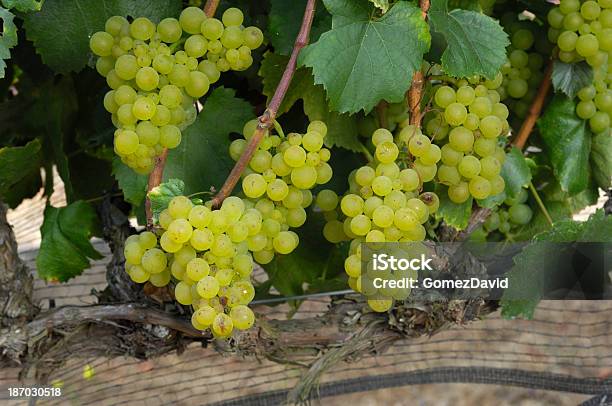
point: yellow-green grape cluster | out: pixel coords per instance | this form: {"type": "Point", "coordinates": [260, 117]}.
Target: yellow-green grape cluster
{"type": "Point", "coordinates": [383, 202]}
{"type": "Point", "coordinates": [523, 72]}
{"type": "Point", "coordinates": [513, 214]}
{"type": "Point", "coordinates": [208, 253]}
{"type": "Point", "coordinates": [582, 30]}
{"type": "Point", "coordinates": [156, 72]}
{"type": "Point", "coordinates": [595, 104]}
{"type": "Point", "coordinates": [474, 120]}
{"type": "Point", "coordinates": [278, 181]}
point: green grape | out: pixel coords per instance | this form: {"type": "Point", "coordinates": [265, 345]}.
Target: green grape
{"type": "Point", "coordinates": [586, 109]}
{"type": "Point", "coordinates": [382, 185]}
{"type": "Point", "coordinates": [144, 108]}
{"type": "Point", "coordinates": [444, 96]}
{"type": "Point", "coordinates": [179, 75]}
{"type": "Point", "coordinates": [115, 25]}
{"type": "Point", "coordinates": [277, 190]}
{"type": "Point", "coordinates": [101, 43]}
{"type": "Point", "coordinates": [242, 317]}
{"type": "Point", "coordinates": [138, 274]}
{"type": "Point", "coordinates": [232, 37]}
{"type": "Point", "coordinates": [450, 156]}
{"type": "Point", "coordinates": [419, 145]}
{"type": "Point", "coordinates": [459, 193]}
{"type": "Point", "coordinates": [568, 6]}
{"type": "Point", "coordinates": [327, 200]}
{"type": "Point", "coordinates": [133, 253]}
{"type": "Point", "coordinates": [426, 172]}
{"type": "Point", "coordinates": [381, 135]}
{"type": "Point", "coordinates": [180, 231]}
{"type": "Point", "coordinates": [284, 242]}
{"type": "Point", "coordinates": [587, 45]}
{"type": "Point", "coordinates": [197, 268]}
{"type": "Point", "coordinates": [124, 95]}
{"type": "Point", "coordinates": [222, 326]}
{"type": "Point", "coordinates": [360, 225]}
{"type": "Point", "coordinates": [448, 175]}
{"type": "Point", "coordinates": [599, 122]}
{"type": "Point", "coordinates": [198, 84]}
{"type": "Point", "coordinates": [491, 127]}
{"type": "Point", "coordinates": [520, 214]}
{"type": "Point", "coordinates": [405, 219]}
{"type": "Point", "coordinates": [142, 28]}
{"type": "Point", "coordinates": [351, 205]}
{"type": "Point", "coordinates": [490, 167]}
{"type": "Point", "coordinates": [465, 95]}
{"type": "Point", "coordinates": [126, 142]}
{"type": "Point", "coordinates": [126, 67]}
{"type": "Point", "coordinates": [254, 185]}
{"type": "Point", "coordinates": [481, 106]}
{"type": "Point", "coordinates": [154, 260]}
{"type": "Point", "coordinates": [207, 287]}
{"type": "Point", "coordinates": [431, 200]}
{"type": "Point", "coordinates": [522, 39]}
{"type": "Point", "coordinates": [162, 116]}
{"type": "Point", "coordinates": [232, 17]}
{"type": "Point", "coordinates": [432, 156]}
{"type": "Point", "coordinates": [147, 79]}
{"type": "Point", "coordinates": [202, 239]}
{"type": "Point", "coordinates": [517, 88]}
{"type": "Point", "coordinates": [461, 139]}
{"type": "Point", "coordinates": [304, 177]}
{"type": "Point", "coordinates": [410, 179]}
{"type": "Point", "coordinates": [191, 20]}
{"type": "Point", "coordinates": [590, 10]}
{"type": "Point", "coordinates": [555, 17]}
{"type": "Point", "coordinates": [455, 114]}
{"type": "Point", "coordinates": [180, 207]}
{"type": "Point", "coordinates": [469, 167]}
{"type": "Point", "coordinates": [210, 70]}
{"type": "Point", "coordinates": [212, 29]}
{"type": "Point", "coordinates": [324, 173]}
{"type": "Point", "coordinates": [480, 187]}
{"type": "Point", "coordinates": [169, 30]}
{"type": "Point", "coordinates": [383, 216]}
{"type": "Point", "coordinates": [572, 21]}
{"type": "Point", "coordinates": [205, 315]}
{"type": "Point", "coordinates": [170, 136]}
{"type": "Point", "coordinates": [295, 156]}
{"type": "Point", "coordinates": [148, 134]}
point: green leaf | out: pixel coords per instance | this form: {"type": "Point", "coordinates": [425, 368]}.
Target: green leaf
{"type": "Point", "coordinates": [515, 171]}
{"type": "Point", "coordinates": [134, 186]}
{"type": "Point", "coordinates": [601, 160]}
{"type": "Point", "coordinates": [22, 5]}
{"type": "Point", "coordinates": [568, 143]}
{"type": "Point", "coordinates": [8, 39]}
{"type": "Point", "coordinates": [476, 43]}
{"type": "Point", "coordinates": [17, 163]}
{"type": "Point", "coordinates": [65, 248]}
{"type": "Point", "coordinates": [62, 28]}
{"type": "Point", "coordinates": [453, 214]}
{"type": "Point", "coordinates": [161, 195]}
{"type": "Point", "coordinates": [202, 160]}
{"type": "Point", "coordinates": [383, 5]}
{"type": "Point", "coordinates": [569, 78]}
{"type": "Point", "coordinates": [284, 23]}
{"type": "Point", "coordinates": [342, 128]}
{"type": "Point", "coordinates": [362, 60]}
{"type": "Point", "coordinates": [524, 282]}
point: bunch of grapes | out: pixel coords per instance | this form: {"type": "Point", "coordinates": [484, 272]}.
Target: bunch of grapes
{"type": "Point", "coordinates": [383, 202]}
{"type": "Point", "coordinates": [523, 72]}
{"type": "Point", "coordinates": [513, 214]}
{"type": "Point", "coordinates": [156, 72]}
{"type": "Point", "coordinates": [583, 31]}
{"type": "Point", "coordinates": [278, 180]}
{"type": "Point", "coordinates": [211, 253]}
{"type": "Point", "coordinates": [471, 122]}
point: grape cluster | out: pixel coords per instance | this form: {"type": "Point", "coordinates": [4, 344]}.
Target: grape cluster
{"type": "Point", "coordinates": [211, 253]}
{"type": "Point", "coordinates": [582, 30]}
{"type": "Point", "coordinates": [513, 214]}
{"type": "Point", "coordinates": [383, 202]}
{"type": "Point", "coordinates": [156, 72]}
{"type": "Point", "coordinates": [471, 122]}
{"type": "Point", "coordinates": [278, 182]}
{"type": "Point", "coordinates": [523, 72]}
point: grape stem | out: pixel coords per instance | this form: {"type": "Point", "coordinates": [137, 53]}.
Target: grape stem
{"type": "Point", "coordinates": [535, 109]}
{"type": "Point", "coordinates": [415, 93]}
{"type": "Point", "coordinates": [266, 120]}
{"type": "Point", "coordinates": [157, 174]}
{"type": "Point", "coordinates": [366, 152]}
{"type": "Point", "coordinates": [211, 7]}
{"type": "Point", "coordinates": [538, 200]}
{"type": "Point", "coordinates": [155, 179]}
{"type": "Point", "coordinates": [381, 114]}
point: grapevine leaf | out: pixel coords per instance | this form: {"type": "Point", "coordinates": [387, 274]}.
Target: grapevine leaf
{"type": "Point", "coordinates": [476, 43]}
{"type": "Point", "coordinates": [24, 6]}
{"type": "Point", "coordinates": [8, 37]}
{"type": "Point", "coordinates": [65, 248]}
{"type": "Point", "coordinates": [202, 159]}
{"type": "Point", "coordinates": [134, 186]}
{"type": "Point", "coordinates": [568, 142]}
{"type": "Point", "coordinates": [363, 60]}
{"type": "Point", "coordinates": [601, 160]}
{"type": "Point", "coordinates": [62, 28]}
{"type": "Point", "coordinates": [528, 285]}
{"type": "Point", "coordinates": [453, 214]}
{"type": "Point", "coordinates": [383, 5]}
{"type": "Point", "coordinates": [515, 172]}
{"type": "Point", "coordinates": [161, 195]}
{"type": "Point", "coordinates": [17, 163]}
{"type": "Point", "coordinates": [285, 20]}
{"type": "Point", "coordinates": [342, 128]}
{"type": "Point", "coordinates": [569, 78]}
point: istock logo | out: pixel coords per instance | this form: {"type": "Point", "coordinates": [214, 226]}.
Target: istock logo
{"type": "Point", "coordinates": [384, 262]}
